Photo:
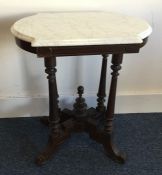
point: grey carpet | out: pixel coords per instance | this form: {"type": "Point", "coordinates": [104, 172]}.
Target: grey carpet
{"type": "Point", "coordinates": [139, 135]}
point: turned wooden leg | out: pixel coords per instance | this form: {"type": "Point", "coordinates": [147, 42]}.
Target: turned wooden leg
{"type": "Point", "coordinates": [108, 145]}
{"type": "Point", "coordinates": [102, 86]}
{"type": "Point", "coordinates": [57, 135]}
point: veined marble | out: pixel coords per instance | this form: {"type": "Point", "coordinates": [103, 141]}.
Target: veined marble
{"type": "Point", "coordinates": [80, 28]}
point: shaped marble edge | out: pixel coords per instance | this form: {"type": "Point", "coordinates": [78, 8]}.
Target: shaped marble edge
{"type": "Point", "coordinates": [38, 42]}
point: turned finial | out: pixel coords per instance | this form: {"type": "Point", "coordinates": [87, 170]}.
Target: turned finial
{"type": "Point", "coordinates": [80, 107]}
{"type": "Point", "coordinates": [80, 91]}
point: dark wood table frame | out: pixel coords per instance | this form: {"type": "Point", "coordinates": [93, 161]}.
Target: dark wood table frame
{"type": "Point", "coordinates": [80, 119]}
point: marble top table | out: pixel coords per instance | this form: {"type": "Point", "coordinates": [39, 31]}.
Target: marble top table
{"type": "Point", "coordinates": [50, 35]}
{"type": "Point", "coordinates": [81, 28]}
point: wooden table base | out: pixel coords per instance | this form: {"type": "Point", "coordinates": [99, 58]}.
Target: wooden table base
{"type": "Point", "coordinates": [92, 124]}
{"type": "Point", "coordinates": [81, 119]}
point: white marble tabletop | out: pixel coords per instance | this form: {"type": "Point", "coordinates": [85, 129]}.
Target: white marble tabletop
{"type": "Point", "coordinates": [80, 28]}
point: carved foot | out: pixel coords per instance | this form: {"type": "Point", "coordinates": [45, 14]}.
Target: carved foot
{"type": "Point", "coordinates": [113, 153]}
{"type": "Point", "coordinates": [51, 148]}
{"type": "Point", "coordinates": [105, 139]}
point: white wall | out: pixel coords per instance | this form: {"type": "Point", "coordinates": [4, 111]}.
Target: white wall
{"type": "Point", "coordinates": [23, 84]}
